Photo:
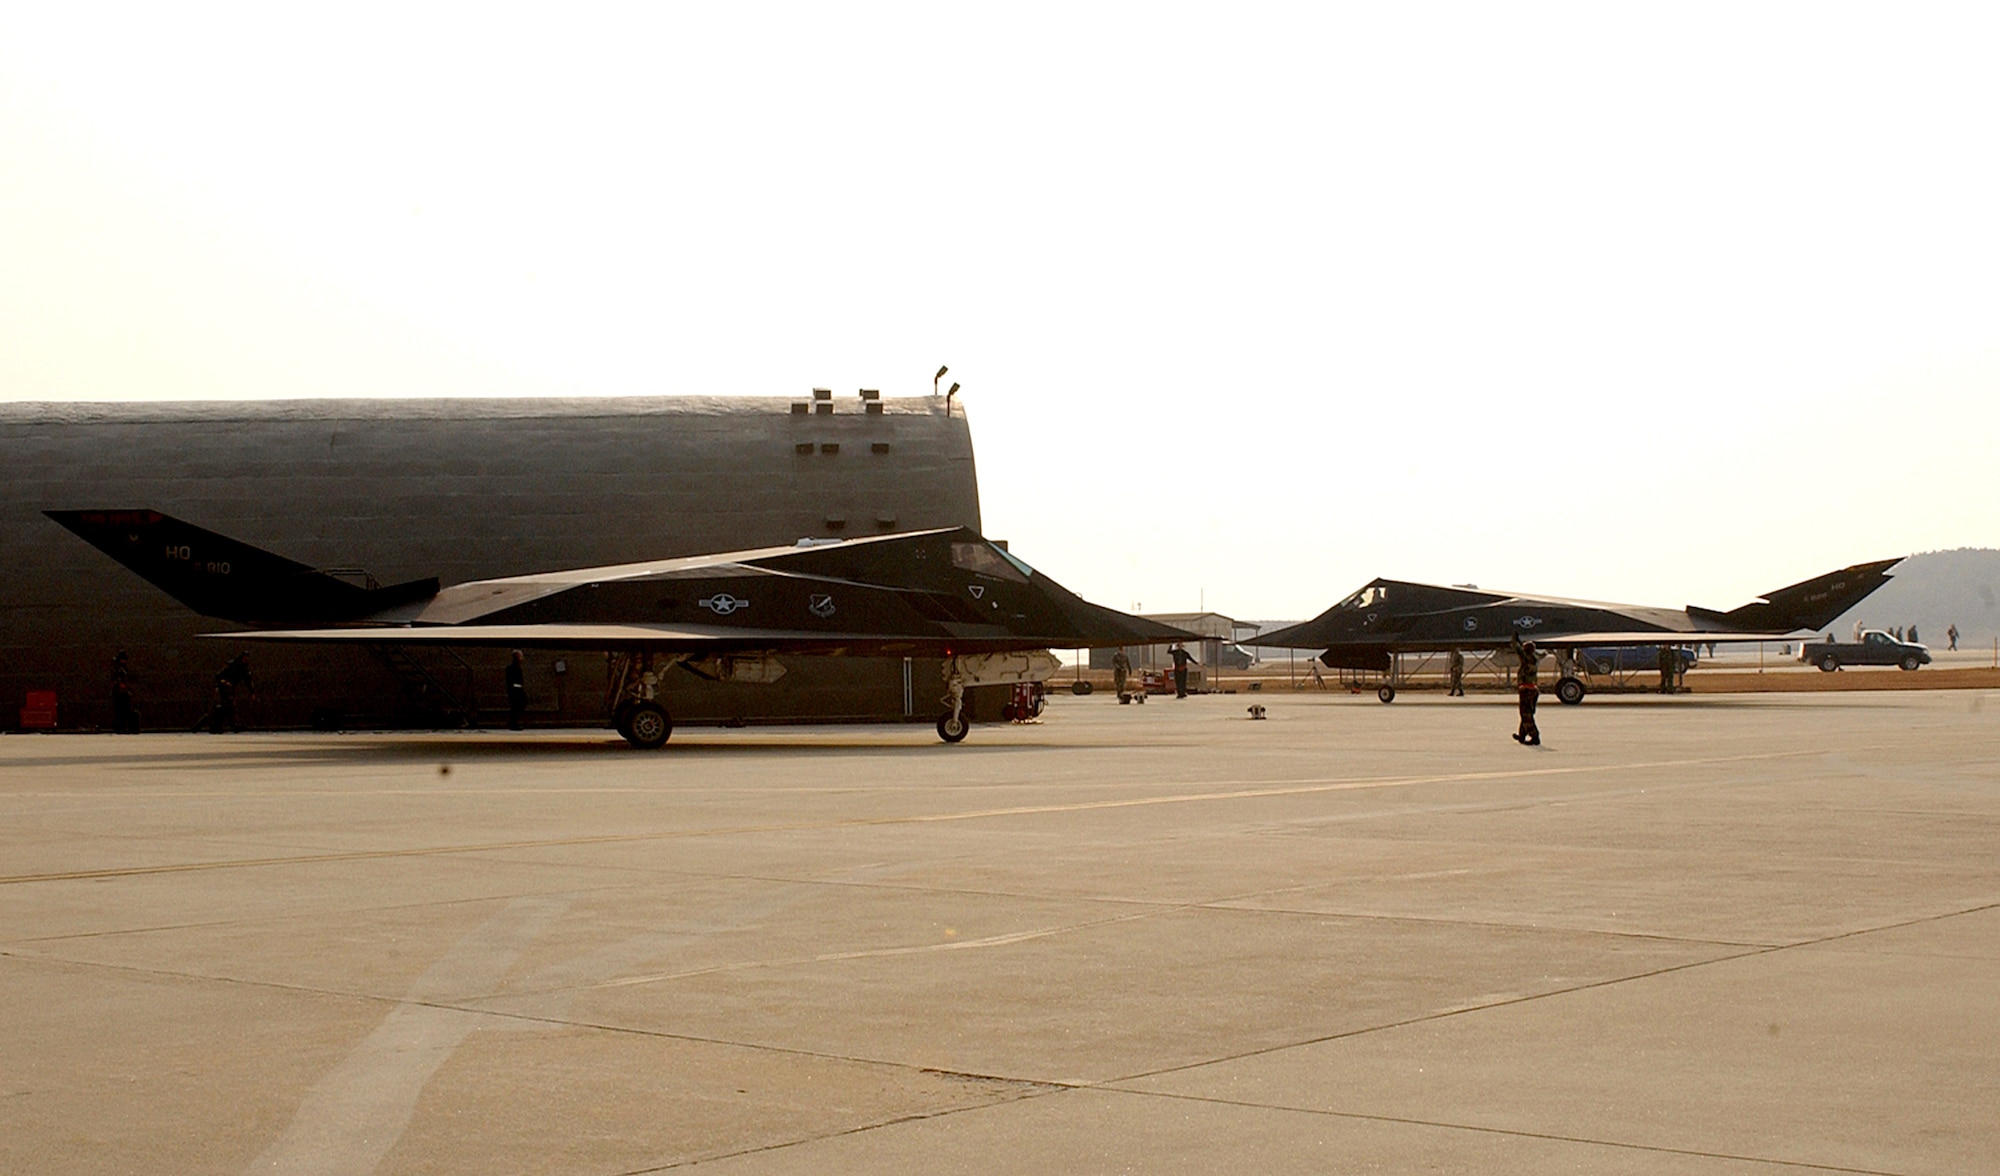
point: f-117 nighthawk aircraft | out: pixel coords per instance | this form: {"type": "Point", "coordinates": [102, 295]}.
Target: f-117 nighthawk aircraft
{"type": "Point", "coordinates": [1388, 617]}
{"type": "Point", "coordinates": [947, 594]}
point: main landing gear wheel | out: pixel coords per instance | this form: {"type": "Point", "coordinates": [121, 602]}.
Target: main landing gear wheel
{"type": "Point", "coordinates": [646, 725]}
{"type": "Point", "coordinates": [952, 728]}
{"type": "Point", "coordinates": [1386, 693]}
{"type": "Point", "coordinates": [1570, 691]}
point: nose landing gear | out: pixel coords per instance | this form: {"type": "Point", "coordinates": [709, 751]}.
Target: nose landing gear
{"type": "Point", "coordinates": [645, 725]}
{"type": "Point", "coordinates": [635, 713]}
{"type": "Point", "coordinates": [1025, 668]}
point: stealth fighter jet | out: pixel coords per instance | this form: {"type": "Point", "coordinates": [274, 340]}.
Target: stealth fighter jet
{"type": "Point", "coordinates": [947, 594]}
{"type": "Point", "coordinates": [1388, 617]}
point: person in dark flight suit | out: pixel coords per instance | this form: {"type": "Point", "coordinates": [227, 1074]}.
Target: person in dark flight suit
{"type": "Point", "coordinates": [1531, 692]}
{"type": "Point", "coordinates": [517, 692]}
{"type": "Point", "coordinates": [228, 680]}
{"type": "Point", "coordinates": [124, 715]}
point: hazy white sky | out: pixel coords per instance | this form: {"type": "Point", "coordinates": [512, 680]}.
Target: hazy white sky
{"type": "Point", "coordinates": [1250, 303]}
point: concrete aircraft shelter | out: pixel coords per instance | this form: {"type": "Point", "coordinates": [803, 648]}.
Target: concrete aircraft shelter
{"type": "Point", "coordinates": [460, 489]}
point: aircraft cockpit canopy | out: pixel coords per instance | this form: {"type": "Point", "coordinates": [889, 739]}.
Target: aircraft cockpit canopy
{"type": "Point", "coordinates": [1368, 597]}
{"type": "Point", "coordinates": [988, 560]}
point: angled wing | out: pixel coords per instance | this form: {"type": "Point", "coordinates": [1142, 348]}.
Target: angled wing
{"type": "Point", "coordinates": [619, 637]}
{"type": "Point", "coordinates": [1656, 637]}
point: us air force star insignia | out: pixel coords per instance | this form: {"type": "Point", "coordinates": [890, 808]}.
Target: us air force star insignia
{"type": "Point", "coordinates": [977, 590]}
{"type": "Point", "coordinates": [821, 605]}
{"type": "Point", "coordinates": [722, 604]}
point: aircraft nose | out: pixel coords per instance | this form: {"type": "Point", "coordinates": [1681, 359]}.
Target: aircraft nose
{"type": "Point", "coordinates": [1097, 625]}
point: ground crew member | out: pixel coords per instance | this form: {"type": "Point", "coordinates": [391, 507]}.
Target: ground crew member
{"type": "Point", "coordinates": [1669, 658]}
{"type": "Point", "coordinates": [234, 676]}
{"type": "Point", "coordinates": [124, 716]}
{"type": "Point", "coordinates": [517, 692]}
{"type": "Point", "coordinates": [1457, 675]}
{"type": "Point", "coordinates": [1529, 735]}
{"type": "Point", "coordinates": [1121, 669]}
{"type": "Point", "coordinates": [1181, 659]}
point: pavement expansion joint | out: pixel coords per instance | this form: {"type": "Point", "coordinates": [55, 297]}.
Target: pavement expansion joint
{"type": "Point", "coordinates": [1442, 1015]}
{"type": "Point", "coordinates": [1900, 923]}
{"type": "Point", "coordinates": [1515, 1132]}
{"type": "Point", "coordinates": [271, 919]}
{"type": "Point", "coordinates": [1029, 1087]}
{"type": "Point", "coordinates": [1026, 1090]}
{"type": "Point", "coordinates": [1486, 924]}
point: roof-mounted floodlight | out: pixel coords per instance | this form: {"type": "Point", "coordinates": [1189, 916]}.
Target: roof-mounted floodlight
{"type": "Point", "coordinates": [942, 369]}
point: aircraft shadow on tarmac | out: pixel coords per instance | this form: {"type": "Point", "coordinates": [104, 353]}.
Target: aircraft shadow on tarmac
{"type": "Point", "coordinates": [252, 754]}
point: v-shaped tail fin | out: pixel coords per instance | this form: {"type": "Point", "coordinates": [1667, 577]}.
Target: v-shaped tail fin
{"type": "Point", "coordinates": [217, 576]}
{"type": "Point", "coordinates": [1812, 604]}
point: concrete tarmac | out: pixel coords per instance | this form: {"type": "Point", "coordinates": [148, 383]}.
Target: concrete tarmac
{"type": "Point", "coordinates": [1698, 934]}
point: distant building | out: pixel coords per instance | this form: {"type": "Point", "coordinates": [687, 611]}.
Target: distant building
{"type": "Point", "coordinates": [459, 489]}
{"type": "Point", "coordinates": [1217, 649]}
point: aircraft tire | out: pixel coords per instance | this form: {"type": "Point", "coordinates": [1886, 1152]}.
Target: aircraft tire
{"type": "Point", "coordinates": [1910, 662]}
{"type": "Point", "coordinates": [952, 729]}
{"type": "Point", "coordinates": [647, 726]}
{"type": "Point", "coordinates": [1570, 691]}
{"type": "Point", "coordinates": [1829, 664]}
{"type": "Point", "coordinates": [621, 719]}
{"type": "Point", "coordinates": [1386, 693]}
{"type": "Point", "coordinates": [1080, 687]}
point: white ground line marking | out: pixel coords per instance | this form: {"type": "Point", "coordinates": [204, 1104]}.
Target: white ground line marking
{"type": "Point", "coordinates": [354, 1115]}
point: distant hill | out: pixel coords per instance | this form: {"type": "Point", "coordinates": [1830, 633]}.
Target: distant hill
{"type": "Point", "coordinates": [1933, 591]}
